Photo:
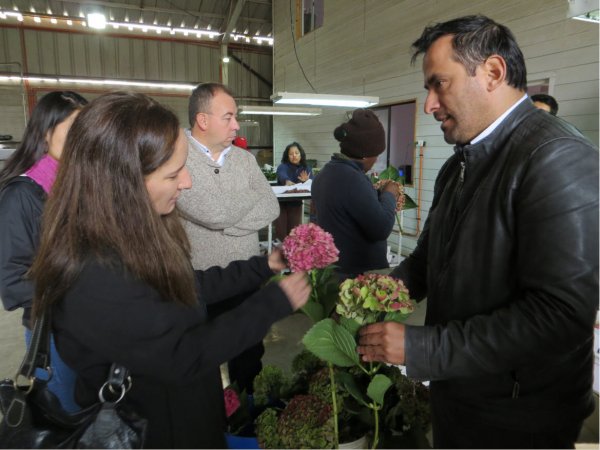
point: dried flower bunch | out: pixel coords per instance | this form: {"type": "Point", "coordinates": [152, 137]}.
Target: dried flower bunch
{"type": "Point", "coordinates": [401, 197]}
{"type": "Point", "coordinates": [308, 247]}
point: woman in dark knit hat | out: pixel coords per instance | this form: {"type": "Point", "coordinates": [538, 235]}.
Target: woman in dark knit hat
{"type": "Point", "coordinates": [359, 217]}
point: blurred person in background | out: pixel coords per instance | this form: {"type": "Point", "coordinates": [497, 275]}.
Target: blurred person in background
{"type": "Point", "coordinates": [25, 183]}
{"type": "Point", "coordinates": [545, 102]}
{"type": "Point", "coordinates": [359, 217]}
{"type": "Point", "coordinates": [292, 170]}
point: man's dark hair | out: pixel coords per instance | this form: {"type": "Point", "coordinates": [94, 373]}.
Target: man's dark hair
{"type": "Point", "coordinates": [548, 100]}
{"type": "Point", "coordinates": [201, 98]}
{"type": "Point", "coordinates": [476, 38]}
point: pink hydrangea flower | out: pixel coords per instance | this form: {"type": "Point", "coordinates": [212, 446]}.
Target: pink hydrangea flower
{"type": "Point", "coordinates": [232, 401]}
{"type": "Point", "coordinates": [308, 247]}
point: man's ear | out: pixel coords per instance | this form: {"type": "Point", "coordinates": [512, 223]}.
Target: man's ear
{"type": "Point", "coordinates": [202, 121]}
{"type": "Point", "coordinates": [495, 70]}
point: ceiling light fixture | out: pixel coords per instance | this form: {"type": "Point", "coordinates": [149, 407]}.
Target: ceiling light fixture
{"type": "Point", "coordinates": [346, 101]}
{"type": "Point", "coordinates": [279, 110]}
{"type": "Point", "coordinates": [96, 20]}
{"type": "Point", "coordinates": [98, 82]}
{"type": "Point", "coordinates": [141, 26]}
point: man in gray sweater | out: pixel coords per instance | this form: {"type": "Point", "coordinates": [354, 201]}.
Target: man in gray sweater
{"type": "Point", "coordinates": [230, 200]}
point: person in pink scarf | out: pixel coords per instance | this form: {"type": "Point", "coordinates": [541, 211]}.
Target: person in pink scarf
{"type": "Point", "coordinates": [25, 182]}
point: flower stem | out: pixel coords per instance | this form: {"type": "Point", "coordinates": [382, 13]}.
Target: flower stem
{"type": "Point", "coordinates": [376, 434]}
{"type": "Point", "coordinates": [336, 432]}
{"type": "Point", "coordinates": [399, 224]}
{"type": "Point", "coordinates": [313, 283]}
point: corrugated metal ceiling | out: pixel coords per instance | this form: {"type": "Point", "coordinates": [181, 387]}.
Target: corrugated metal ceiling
{"type": "Point", "coordinates": [254, 18]}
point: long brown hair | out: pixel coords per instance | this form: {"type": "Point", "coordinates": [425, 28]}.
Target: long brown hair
{"type": "Point", "coordinates": [100, 206]}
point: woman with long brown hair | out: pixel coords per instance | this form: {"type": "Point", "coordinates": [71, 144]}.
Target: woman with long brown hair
{"type": "Point", "coordinates": [114, 271]}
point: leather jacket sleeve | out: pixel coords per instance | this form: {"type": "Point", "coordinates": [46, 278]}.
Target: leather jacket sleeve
{"type": "Point", "coordinates": [551, 232]}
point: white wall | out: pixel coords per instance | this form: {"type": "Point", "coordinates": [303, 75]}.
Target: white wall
{"type": "Point", "coordinates": [363, 48]}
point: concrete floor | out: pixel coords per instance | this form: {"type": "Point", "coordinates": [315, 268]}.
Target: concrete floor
{"type": "Point", "coordinates": [281, 344]}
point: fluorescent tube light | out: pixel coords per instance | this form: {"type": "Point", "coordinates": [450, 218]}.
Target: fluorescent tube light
{"type": "Point", "coordinates": [346, 101]}
{"type": "Point", "coordinates": [279, 110]}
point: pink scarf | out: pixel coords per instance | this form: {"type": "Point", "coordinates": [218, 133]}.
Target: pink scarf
{"type": "Point", "coordinates": [44, 172]}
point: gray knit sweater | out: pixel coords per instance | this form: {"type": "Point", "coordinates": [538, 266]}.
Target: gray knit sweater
{"type": "Point", "coordinates": [225, 207]}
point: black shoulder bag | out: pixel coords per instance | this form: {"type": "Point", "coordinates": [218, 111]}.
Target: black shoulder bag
{"type": "Point", "coordinates": [34, 418]}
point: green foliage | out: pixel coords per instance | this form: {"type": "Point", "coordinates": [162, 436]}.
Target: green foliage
{"type": "Point", "coordinates": [306, 422]}
{"type": "Point", "coordinates": [350, 384]}
{"type": "Point", "coordinates": [408, 406]}
{"type": "Point", "coordinates": [378, 387]}
{"type": "Point", "coordinates": [266, 429]}
{"type": "Point", "coordinates": [305, 363]}
{"type": "Point", "coordinates": [332, 343]}
{"type": "Point", "coordinates": [269, 172]}
{"type": "Point", "coordinates": [270, 385]}
{"type": "Point", "coordinates": [324, 293]}
{"type": "Point", "coordinates": [392, 173]}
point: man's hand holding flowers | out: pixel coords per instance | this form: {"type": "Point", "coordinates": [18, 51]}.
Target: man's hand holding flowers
{"type": "Point", "coordinates": [382, 341]}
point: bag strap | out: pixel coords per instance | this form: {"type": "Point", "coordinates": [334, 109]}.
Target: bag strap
{"type": "Point", "coordinates": [38, 356]}
{"type": "Point", "coordinates": [116, 385]}
{"type": "Point", "coordinates": [38, 352]}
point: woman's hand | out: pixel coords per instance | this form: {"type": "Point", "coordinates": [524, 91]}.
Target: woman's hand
{"type": "Point", "coordinates": [276, 260]}
{"type": "Point", "coordinates": [303, 176]}
{"type": "Point", "coordinates": [297, 289]}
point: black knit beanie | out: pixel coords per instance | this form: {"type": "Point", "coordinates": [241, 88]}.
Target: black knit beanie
{"type": "Point", "coordinates": [362, 136]}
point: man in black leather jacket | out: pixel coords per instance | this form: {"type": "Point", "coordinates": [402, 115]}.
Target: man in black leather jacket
{"type": "Point", "coordinates": [508, 258]}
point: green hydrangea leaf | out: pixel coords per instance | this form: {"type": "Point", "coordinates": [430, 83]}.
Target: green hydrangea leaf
{"type": "Point", "coordinates": [332, 343]}
{"type": "Point", "coordinates": [348, 382]}
{"type": "Point", "coordinates": [409, 203]}
{"type": "Point", "coordinates": [390, 173]}
{"type": "Point", "coordinates": [313, 310]}
{"type": "Point", "coordinates": [378, 387]}
{"type": "Point", "coordinates": [351, 325]}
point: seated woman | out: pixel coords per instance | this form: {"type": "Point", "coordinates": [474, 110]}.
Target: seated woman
{"type": "Point", "coordinates": [292, 170]}
{"type": "Point", "coordinates": [114, 270]}
{"type": "Point", "coordinates": [359, 217]}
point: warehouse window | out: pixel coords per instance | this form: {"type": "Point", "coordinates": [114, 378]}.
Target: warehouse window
{"type": "Point", "coordinates": [309, 16]}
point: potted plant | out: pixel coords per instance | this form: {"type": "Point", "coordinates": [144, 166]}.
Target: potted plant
{"type": "Point", "coordinates": [358, 394]}
{"type": "Point", "coordinates": [302, 418]}
{"type": "Point", "coordinates": [363, 300]}
{"type": "Point", "coordinates": [269, 172]}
